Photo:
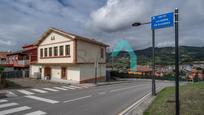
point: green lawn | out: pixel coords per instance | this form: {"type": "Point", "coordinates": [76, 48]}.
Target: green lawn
{"type": "Point", "coordinates": [191, 101]}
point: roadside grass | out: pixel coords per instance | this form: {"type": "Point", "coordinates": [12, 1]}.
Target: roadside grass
{"type": "Point", "coordinates": [191, 101]}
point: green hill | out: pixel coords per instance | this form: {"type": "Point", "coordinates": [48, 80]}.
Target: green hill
{"type": "Point", "coordinates": [163, 56]}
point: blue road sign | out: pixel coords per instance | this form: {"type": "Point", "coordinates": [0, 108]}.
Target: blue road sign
{"type": "Point", "coordinates": [162, 21]}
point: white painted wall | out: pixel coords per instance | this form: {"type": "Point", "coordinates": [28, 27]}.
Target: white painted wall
{"type": "Point", "coordinates": [87, 52]}
{"type": "Point", "coordinates": [58, 38]}
{"type": "Point", "coordinates": [73, 73]}
{"type": "Point", "coordinates": [60, 41]}
{"type": "Point", "coordinates": [88, 71]}
{"type": "Point", "coordinates": [55, 73]}
{"type": "Point", "coordinates": [34, 69]}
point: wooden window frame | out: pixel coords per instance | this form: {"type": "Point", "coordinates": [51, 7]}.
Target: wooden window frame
{"type": "Point", "coordinates": [56, 51]}
{"type": "Point", "coordinates": [50, 51]}
{"type": "Point", "coordinates": [45, 52]}
{"type": "Point", "coordinates": [61, 49]}
{"type": "Point", "coordinates": [67, 50]}
{"type": "Point", "coordinates": [41, 52]}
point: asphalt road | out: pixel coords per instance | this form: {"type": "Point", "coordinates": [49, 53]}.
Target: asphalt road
{"type": "Point", "coordinates": [100, 100]}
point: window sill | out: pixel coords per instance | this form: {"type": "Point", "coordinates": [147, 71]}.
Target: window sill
{"type": "Point", "coordinates": [55, 57]}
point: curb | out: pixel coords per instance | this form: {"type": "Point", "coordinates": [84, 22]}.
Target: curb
{"type": "Point", "coordinates": [138, 107]}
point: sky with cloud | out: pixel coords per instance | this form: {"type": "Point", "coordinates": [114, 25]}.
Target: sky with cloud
{"type": "Point", "coordinates": [23, 21]}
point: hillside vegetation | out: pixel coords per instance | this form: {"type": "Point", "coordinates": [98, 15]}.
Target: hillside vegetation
{"type": "Point", "coordinates": [163, 56]}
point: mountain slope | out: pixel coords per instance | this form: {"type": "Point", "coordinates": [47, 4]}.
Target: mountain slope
{"type": "Point", "coordinates": [164, 56]}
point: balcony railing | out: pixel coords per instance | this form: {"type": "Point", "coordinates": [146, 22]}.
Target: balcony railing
{"type": "Point", "coordinates": [23, 62]}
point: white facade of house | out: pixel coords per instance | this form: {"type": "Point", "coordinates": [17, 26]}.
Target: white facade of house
{"type": "Point", "coordinates": [77, 64]}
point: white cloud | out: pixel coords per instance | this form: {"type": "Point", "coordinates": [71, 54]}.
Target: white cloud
{"type": "Point", "coordinates": [23, 21]}
{"type": "Point", "coordinates": [115, 18]}
{"type": "Point", "coordinates": [118, 14]}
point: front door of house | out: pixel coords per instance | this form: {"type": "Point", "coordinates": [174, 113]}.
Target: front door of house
{"type": "Point", "coordinates": [47, 73]}
{"type": "Point", "coordinates": [63, 73]}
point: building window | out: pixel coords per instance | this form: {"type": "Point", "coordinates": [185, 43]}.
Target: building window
{"type": "Point", "coordinates": [67, 50]}
{"type": "Point", "coordinates": [50, 51]}
{"type": "Point", "coordinates": [41, 52]}
{"type": "Point", "coordinates": [52, 37]}
{"type": "Point", "coordinates": [55, 51]}
{"type": "Point", "coordinates": [61, 50]}
{"type": "Point", "coordinates": [45, 51]}
{"type": "Point", "coordinates": [102, 53]}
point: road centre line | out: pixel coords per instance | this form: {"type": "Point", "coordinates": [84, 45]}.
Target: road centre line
{"type": "Point", "coordinates": [101, 93]}
{"type": "Point", "coordinates": [115, 90]}
{"type": "Point", "coordinates": [80, 98]}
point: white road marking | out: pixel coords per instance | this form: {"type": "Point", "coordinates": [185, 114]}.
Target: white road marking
{"type": "Point", "coordinates": [134, 105]}
{"type": "Point", "coordinates": [115, 90]}
{"type": "Point", "coordinates": [13, 110]}
{"type": "Point", "coordinates": [68, 87]}
{"type": "Point", "coordinates": [80, 98]}
{"type": "Point", "coordinates": [36, 113]}
{"type": "Point", "coordinates": [102, 93]}
{"type": "Point", "coordinates": [25, 92]}
{"type": "Point", "coordinates": [42, 99]}
{"type": "Point", "coordinates": [84, 86]}
{"type": "Point", "coordinates": [75, 87]}
{"type": "Point", "coordinates": [3, 100]}
{"type": "Point", "coordinates": [7, 105]}
{"type": "Point", "coordinates": [50, 89]}
{"type": "Point", "coordinates": [10, 94]}
{"type": "Point", "coordinates": [39, 90]}
{"type": "Point", "coordinates": [60, 88]}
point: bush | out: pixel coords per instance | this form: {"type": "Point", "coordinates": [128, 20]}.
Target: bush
{"type": "Point", "coordinates": [126, 75]}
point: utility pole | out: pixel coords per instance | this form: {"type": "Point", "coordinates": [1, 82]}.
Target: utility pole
{"type": "Point", "coordinates": [96, 69]}
{"type": "Point", "coordinates": [153, 63]}
{"type": "Point", "coordinates": [112, 59]}
{"type": "Point", "coordinates": [177, 59]}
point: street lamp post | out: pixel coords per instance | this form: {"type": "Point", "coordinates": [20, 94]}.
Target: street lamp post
{"type": "Point", "coordinates": [153, 56]}
{"type": "Point", "coordinates": [177, 60]}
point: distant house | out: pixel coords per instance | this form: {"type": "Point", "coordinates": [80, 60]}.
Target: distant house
{"type": "Point", "coordinates": [65, 57]}
{"type": "Point", "coordinates": [3, 57]}
{"type": "Point", "coordinates": [141, 70]}
{"type": "Point", "coordinates": [20, 60]}
{"type": "Point", "coordinates": [31, 51]}
{"type": "Point", "coordinates": [195, 72]}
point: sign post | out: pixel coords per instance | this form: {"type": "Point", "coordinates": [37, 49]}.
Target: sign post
{"type": "Point", "coordinates": [163, 21]}
{"type": "Point", "coordinates": [153, 64]}
{"type": "Point", "coordinates": [157, 22]}
{"type": "Point", "coordinates": [177, 61]}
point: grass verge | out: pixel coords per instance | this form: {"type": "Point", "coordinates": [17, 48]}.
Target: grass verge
{"type": "Point", "coordinates": [191, 101]}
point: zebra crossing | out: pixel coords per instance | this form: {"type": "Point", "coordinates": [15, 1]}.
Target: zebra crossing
{"type": "Point", "coordinates": [47, 90]}
{"type": "Point", "coordinates": [7, 108]}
